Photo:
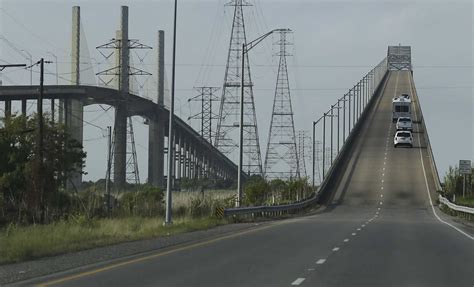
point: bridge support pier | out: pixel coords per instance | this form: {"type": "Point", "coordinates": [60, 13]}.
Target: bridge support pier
{"type": "Point", "coordinates": [74, 109]}
{"type": "Point", "coordinates": [120, 148]}
{"type": "Point", "coordinates": [156, 157]}
{"type": "Point", "coordinates": [120, 128]}
{"type": "Point", "coordinates": [8, 109]}
{"type": "Point", "coordinates": [156, 139]}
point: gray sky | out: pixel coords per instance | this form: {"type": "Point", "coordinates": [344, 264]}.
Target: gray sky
{"type": "Point", "coordinates": [335, 44]}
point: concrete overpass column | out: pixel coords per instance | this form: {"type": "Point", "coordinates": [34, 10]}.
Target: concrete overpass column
{"type": "Point", "coordinates": [120, 134]}
{"type": "Point", "coordinates": [8, 106]}
{"type": "Point", "coordinates": [194, 163]}
{"type": "Point", "coordinates": [188, 159]}
{"type": "Point", "coordinates": [179, 156]}
{"type": "Point", "coordinates": [74, 111]}
{"type": "Point", "coordinates": [156, 144]}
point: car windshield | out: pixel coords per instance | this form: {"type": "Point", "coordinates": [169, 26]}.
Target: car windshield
{"type": "Point", "coordinates": [404, 134]}
{"type": "Point", "coordinates": [404, 120]}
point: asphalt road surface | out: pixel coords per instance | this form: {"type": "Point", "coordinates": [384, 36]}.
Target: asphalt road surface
{"type": "Point", "coordinates": [379, 230]}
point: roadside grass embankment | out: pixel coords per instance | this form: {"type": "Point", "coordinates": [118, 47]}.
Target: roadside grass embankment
{"type": "Point", "coordinates": [192, 211]}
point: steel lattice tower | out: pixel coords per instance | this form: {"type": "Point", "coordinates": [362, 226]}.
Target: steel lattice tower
{"type": "Point", "coordinates": [132, 174]}
{"type": "Point", "coordinates": [206, 115]}
{"type": "Point", "coordinates": [281, 159]}
{"type": "Point", "coordinates": [227, 135]}
{"type": "Point", "coordinates": [304, 151]}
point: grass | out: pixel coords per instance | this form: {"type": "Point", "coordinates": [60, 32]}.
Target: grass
{"type": "Point", "coordinates": [20, 243]}
{"type": "Point", "coordinates": [466, 201]}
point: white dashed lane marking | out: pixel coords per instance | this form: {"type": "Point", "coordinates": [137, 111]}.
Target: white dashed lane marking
{"type": "Point", "coordinates": [321, 261]}
{"type": "Point", "coordinates": [298, 281]}
{"type": "Point", "coordinates": [335, 249]}
{"type": "Point", "coordinates": [354, 234]}
{"type": "Point", "coordinates": [346, 240]}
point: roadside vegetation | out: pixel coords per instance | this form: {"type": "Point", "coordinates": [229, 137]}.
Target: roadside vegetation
{"type": "Point", "coordinates": [453, 188]}
{"type": "Point", "coordinates": [39, 216]}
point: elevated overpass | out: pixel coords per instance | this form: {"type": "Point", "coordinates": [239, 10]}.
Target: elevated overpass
{"type": "Point", "coordinates": [194, 156]}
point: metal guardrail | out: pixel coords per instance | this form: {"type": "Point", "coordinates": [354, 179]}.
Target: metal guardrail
{"type": "Point", "coordinates": [268, 210]}
{"type": "Point", "coordinates": [458, 208]}
{"type": "Point", "coordinates": [272, 209]}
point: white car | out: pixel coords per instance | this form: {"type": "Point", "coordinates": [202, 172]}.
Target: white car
{"type": "Point", "coordinates": [403, 138]}
{"type": "Point", "coordinates": [404, 123]}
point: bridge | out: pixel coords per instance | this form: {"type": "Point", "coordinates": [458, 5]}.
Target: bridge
{"type": "Point", "coordinates": [373, 220]}
{"type": "Point", "coordinates": [194, 157]}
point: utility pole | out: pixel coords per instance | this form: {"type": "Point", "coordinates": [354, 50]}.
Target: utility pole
{"type": "Point", "coordinates": [40, 115]}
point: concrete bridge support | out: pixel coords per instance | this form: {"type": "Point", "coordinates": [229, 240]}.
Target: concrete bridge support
{"type": "Point", "coordinates": [156, 135]}
{"type": "Point", "coordinates": [120, 128]}
{"type": "Point", "coordinates": [74, 109]}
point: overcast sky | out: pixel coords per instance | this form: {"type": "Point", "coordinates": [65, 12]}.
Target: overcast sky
{"type": "Point", "coordinates": [335, 44]}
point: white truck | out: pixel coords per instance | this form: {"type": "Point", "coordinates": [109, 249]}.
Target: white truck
{"type": "Point", "coordinates": [401, 107]}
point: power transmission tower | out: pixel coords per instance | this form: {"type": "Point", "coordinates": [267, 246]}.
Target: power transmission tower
{"type": "Point", "coordinates": [132, 174]}
{"type": "Point", "coordinates": [115, 73]}
{"type": "Point", "coordinates": [317, 153]}
{"type": "Point", "coordinates": [206, 115]}
{"type": "Point", "coordinates": [227, 135]}
{"type": "Point", "coordinates": [304, 151]}
{"type": "Point", "coordinates": [281, 159]}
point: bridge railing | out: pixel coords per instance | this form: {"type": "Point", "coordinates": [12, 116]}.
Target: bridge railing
{"type": "Point", "coordinates": [426, 137]}
{"type": "Point", "coordinates": [355, 104]}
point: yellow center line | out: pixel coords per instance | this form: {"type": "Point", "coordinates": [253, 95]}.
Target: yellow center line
{"type": "Point", "coordinates": [160, 254]}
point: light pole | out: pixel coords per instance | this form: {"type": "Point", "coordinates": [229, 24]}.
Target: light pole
{"type": "Point", "coordinates": [57, 83]}
{"type": "Point", "coordinates": [23, 102]}
{"type": "Point", "coordinates": [324, 144]}
{"type": "Point", "coordinates": [171, 146]}
{"type": "Point", "coordinates": [246, 47]}
{"type": "Point", "coordinates": [314, 147]}
{"type": "Point", "coordinates": [343, 100]}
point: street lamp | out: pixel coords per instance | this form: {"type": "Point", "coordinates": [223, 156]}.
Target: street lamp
{"type": "Point", "coordinates": [246, 47]}
{"type": "Point", "coordinates": [314, 148]}
{"type": "Point", "coordinates": [168, 220]}
{"type": "Point", "coordinates": [343, 100]}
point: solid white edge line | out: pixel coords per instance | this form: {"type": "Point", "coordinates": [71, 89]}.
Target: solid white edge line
{"type": "Point", "coordinates": [298, 281]}
{"type": "Point", "coordinates": [428, 188]}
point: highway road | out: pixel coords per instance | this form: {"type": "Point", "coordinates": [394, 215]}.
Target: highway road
{"type": "Point", "coordinates": [379, 230]}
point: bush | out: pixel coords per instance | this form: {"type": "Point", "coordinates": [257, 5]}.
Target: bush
{"type": "Point", "coordinates": [146, 202]}
{"type": "Point", "coordinates": [257, 190]}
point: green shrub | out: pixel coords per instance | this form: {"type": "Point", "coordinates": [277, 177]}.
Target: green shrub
{"type": "Point", "coordinates": [257, 191]}
{"type": "Point", "coordinates": [147, 202]}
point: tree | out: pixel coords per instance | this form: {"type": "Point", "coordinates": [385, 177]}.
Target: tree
{"type": "Point", "coordinates": [29, 188]}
